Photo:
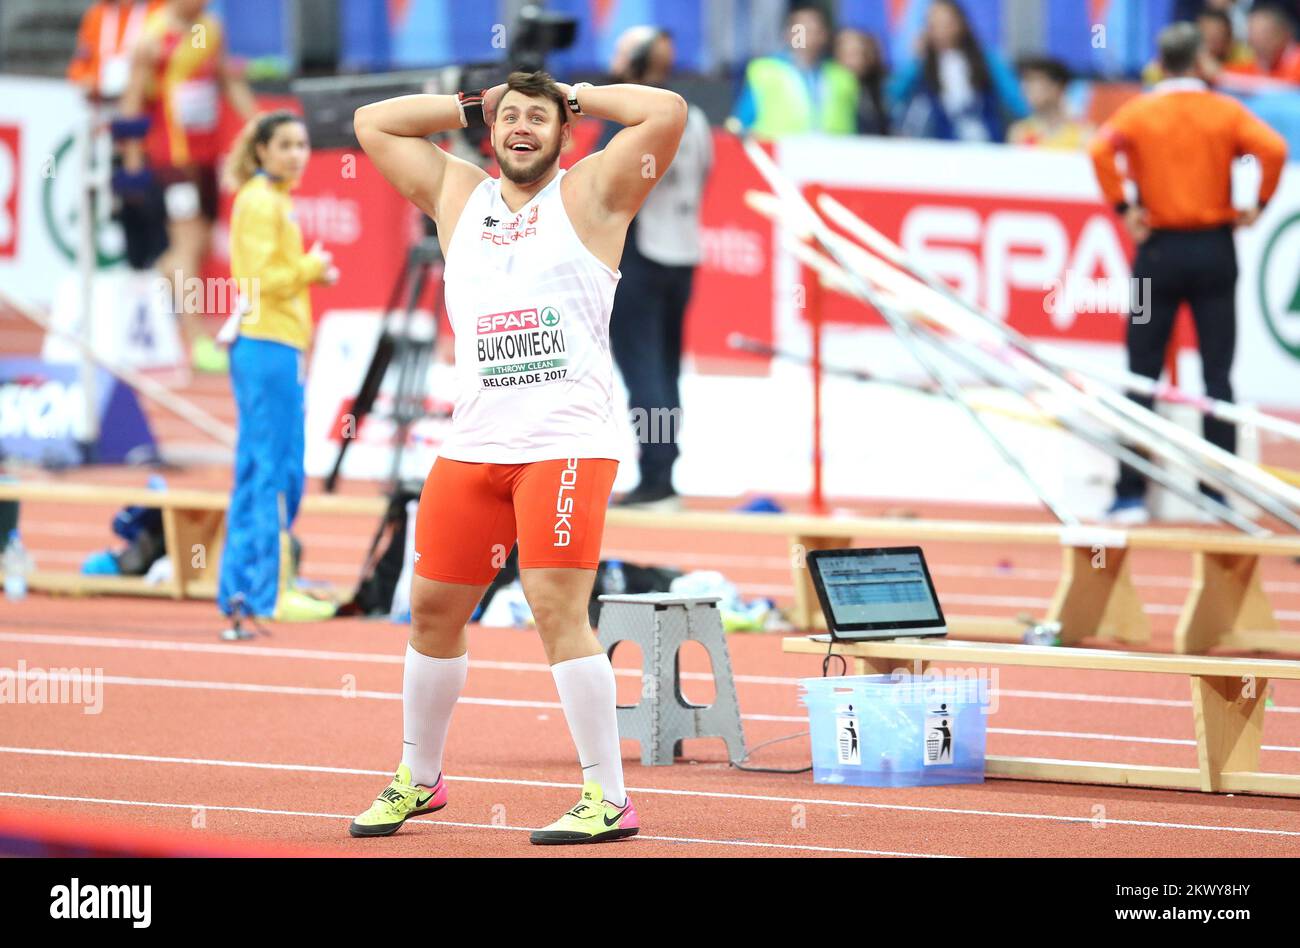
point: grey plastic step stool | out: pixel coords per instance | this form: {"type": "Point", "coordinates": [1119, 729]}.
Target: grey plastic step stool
{"type": "Point", "coordinates": [661, 623]}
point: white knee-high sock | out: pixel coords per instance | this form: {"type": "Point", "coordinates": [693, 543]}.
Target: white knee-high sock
{"type": "Point", "coordinates": [588, 694]}
{"type": "Point", "coordinates": [430, 687]}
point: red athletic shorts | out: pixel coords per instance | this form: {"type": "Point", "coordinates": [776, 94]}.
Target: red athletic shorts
{"type": "Point", "coordinates": [471, 514]}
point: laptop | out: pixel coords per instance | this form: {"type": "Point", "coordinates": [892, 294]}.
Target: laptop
{"type": "Point", "coordinates": [881, 593]}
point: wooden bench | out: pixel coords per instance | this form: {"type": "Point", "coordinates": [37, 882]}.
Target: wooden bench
{"type": "Point", "coordinates": [194, 522]}
{"type": "Point", "coordinates": [1226, 605]}
{"type": "Point", "coordinates": [1227, 704]}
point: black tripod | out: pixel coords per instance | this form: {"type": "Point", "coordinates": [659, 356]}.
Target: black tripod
{"type": "Point", "coordinates": [398, 345]}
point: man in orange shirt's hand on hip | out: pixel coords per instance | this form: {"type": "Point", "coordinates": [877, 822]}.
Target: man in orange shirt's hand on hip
{"type": "Point", "coordinates": [1180, 142]}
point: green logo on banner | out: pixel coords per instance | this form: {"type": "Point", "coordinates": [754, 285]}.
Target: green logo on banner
{"type": "Point", "coordinates": [550, 316]}
{"type": "Point", "coordinates": [60, 206]}
{"type": "Point", "coordinates": [1279, 285]}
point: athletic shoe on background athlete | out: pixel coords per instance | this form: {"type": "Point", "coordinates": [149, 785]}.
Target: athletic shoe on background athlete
{"type": "Point", "coordinates": [658, 499]}
{"type": "Point", "coordinates": [206, 356]}
{"type": "Point", "coordinates": [593, 820]}
{"type": "Point", "coordinates": [295, 606]}
{"type": "Point", "coordinates": [397, 803]}
{"type": "Point", "coordinates": [1128, 512]}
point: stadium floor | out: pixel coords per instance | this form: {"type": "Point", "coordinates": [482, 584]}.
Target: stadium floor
{"type": "Point", "coordinates": [283, 739]}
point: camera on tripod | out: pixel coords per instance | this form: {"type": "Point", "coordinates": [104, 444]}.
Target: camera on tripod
{"type": "Point", "coordinates": [329, 103]}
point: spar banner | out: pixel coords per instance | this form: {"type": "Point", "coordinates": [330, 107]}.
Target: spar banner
{"type": "Point", "coordinates": [1022, 233]}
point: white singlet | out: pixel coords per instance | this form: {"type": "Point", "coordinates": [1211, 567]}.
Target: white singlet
{"type": "Point", "coordinates": [529, 305]}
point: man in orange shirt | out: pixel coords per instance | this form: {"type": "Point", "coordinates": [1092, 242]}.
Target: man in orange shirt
{"type": "Point", "coordinates": [101, 63]}
{"type": "Point", "coordinates": [1180, 142]}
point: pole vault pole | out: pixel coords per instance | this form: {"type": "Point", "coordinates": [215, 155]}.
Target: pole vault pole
{"type": "Point", "coordinates": [835, 277]}
{"type": "Point", "coordinates": [914, 275]}
{"type": "Point", "coordinates": [161, 396]}
{"type": "Point", "coordinates": [1106, 406]}
{"type": "Point", "coordinates": [813, 298]}
{"type": "Point", "coordinates": [902, 328]}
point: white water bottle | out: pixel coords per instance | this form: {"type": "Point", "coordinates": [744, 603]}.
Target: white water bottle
{"type": "Point", "coordinates": [17, 564]}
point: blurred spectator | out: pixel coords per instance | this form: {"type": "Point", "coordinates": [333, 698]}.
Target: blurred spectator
{"type": "Point", "coordinates": [861, 54]}
{"type": "Point", "coordinates": [799, 89]}
{"type": "Point", "coordinates": [1191, 10]}
{"type": "Point", "coordinates": [1270, 34]}
{"type": "Point", "coordinates": [1221, 48]}
{"type": "Point", "coordinates": [101, 66]}
{"type": "Point", "coordinates": [953, 90]}
{"type": "Point", "coordinates": [1049, 125]}
{"type": "Point", "coordinates": [660, 255]}
{"type": "Point", "coordinates": [171, 108]}
{"type": "Point", "coordinates": [109, 29]}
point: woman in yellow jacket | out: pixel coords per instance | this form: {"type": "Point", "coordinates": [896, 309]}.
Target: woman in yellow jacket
{"type": "Point", "coordinates": [267, 369]}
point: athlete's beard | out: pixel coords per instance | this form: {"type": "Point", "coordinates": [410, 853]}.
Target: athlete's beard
{"type": "Point", "coordinates": [527, 173]}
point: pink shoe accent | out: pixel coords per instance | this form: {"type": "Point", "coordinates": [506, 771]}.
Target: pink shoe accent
{"type": "Point", "coordinates": [439, 791]}
{"type": "Point", "coordinates": [630, 819]}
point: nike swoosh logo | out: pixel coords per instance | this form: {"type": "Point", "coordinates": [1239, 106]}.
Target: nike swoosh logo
{"type": "Point", "coordinates": [617, 816]}
{"type": "Point", "coordinates": [423, 803]}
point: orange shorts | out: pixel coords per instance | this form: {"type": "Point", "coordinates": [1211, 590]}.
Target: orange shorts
{"type": "Point", "coordinates": [471, 514]}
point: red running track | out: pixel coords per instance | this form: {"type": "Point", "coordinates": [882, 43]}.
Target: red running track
{"type": "Point", "coordinates": [282, 740]}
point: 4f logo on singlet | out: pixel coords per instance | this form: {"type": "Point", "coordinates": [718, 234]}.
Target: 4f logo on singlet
{"type": "Point", "coordinates": [564, 503]}
{"type": "Point", "coordinates": [515, 230]}
{"type": "Point", "coordinates": [520, 347]}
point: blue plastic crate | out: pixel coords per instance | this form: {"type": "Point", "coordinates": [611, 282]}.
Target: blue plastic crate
{"type": "Point", "coordinates": [881, 731]}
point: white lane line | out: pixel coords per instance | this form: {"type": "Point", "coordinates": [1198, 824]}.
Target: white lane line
{"type": "Point", "coordinates": [55, 526]}
{"type": "Point", "coordinates": [483, 826]}
{"type": "Point", "coordinates": [262, 651]}
{"type": "Point", "coordinates": [199, 685]}
{"type": "Point", "coordinates": [348, 695]}
{"type": "Point", "coordinates": [764, 798]}
{"type": "Point", "coordinates": [298, 690]}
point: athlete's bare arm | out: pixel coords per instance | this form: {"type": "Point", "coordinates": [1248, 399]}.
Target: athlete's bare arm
{"type": "Point", "coordinates": [615, 182]}
{"type": "Point", "coordinates": [235, 87]}
{"type": "Point", "coordinates": [135, 99]}
{"type": "Point", "coordinates": [393, 133]}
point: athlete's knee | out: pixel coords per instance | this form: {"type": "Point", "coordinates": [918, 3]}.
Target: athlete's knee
{"type": "Point", "coordinates": [439, 612]}
{"type": "Point", "coordinates": [436, 635]}
{"type": "Point", "coordinates": [557, 615]}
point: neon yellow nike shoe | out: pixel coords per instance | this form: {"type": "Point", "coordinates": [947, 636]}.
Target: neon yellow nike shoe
{"type": "Point", "coordinates": [208, 357]}
{"type": "Point", "coordinates": [593, 820]}
{"type": "Point", "coordinates": [295, 606]}
{"type": "Point", "coordinates": [397, 803]}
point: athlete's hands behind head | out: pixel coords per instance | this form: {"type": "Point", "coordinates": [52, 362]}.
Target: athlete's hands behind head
{"type": "Point", "coordinates": [492, 101]}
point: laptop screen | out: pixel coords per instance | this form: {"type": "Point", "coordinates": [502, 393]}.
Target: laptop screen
{"type": "Point", "coordinates": [876, 590]}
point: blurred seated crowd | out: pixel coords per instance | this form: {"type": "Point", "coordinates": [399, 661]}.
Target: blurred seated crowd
{"type": "Point", "coordinates": [953, 88]}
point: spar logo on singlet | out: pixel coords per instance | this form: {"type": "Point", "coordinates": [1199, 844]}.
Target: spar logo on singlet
{"type": "Point", "coordinates": [505, 233]}
{"type": "Point", "coordinates": [521, 347]}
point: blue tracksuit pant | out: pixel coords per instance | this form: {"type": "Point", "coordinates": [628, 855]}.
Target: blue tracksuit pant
{"type": "Point", "coordinates": [268, 381]}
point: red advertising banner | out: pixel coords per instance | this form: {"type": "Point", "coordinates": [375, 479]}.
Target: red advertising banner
{"type": "Point", "coordinates": [1055, 269]}
{"type": "Point", "coordinates": [10, 181]}
{"type": "Point", "coordinates": [733, 285]}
